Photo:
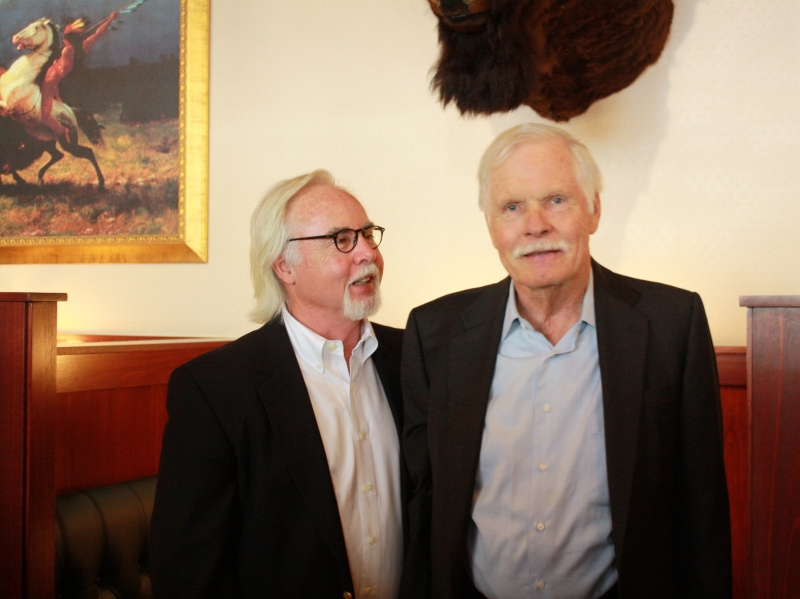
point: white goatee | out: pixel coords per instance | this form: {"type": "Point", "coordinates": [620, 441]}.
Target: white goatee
{"type": "Point", "coordinates": [363, 308]}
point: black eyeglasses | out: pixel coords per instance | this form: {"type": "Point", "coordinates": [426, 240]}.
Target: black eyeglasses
{"type": "Point", "coordinates": [346, 239]}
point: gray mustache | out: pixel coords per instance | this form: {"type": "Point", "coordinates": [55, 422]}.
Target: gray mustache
{"type": "Point", "coordinates": [368, 270]}
{"type": "Point", "coordinates": [542, 246]}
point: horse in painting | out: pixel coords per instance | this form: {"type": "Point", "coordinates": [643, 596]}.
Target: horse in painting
{"type": "Point", "coordinates": [21, 97]}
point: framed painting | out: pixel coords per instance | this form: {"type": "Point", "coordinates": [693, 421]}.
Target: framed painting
{"type": "Point", "coordinates": [104, 131]}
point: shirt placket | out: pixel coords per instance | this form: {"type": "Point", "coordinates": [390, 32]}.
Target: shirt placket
{"type": "Point", "coordinates": [541, 465]}
{"type": "Point", "coordinates": [368, 491]}
{"type": "Point", "coordinates": [542, 517]}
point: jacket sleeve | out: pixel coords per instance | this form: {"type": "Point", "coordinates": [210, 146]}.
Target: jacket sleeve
{"type": "Point", "coordinates": [702, 492]}
{"type": "Point", "coordinates": [194, 515]}
{"type": "Point", "coordinates": [416, 579]}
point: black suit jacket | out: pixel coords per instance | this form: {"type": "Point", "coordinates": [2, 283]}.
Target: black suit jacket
{"type": "Point", "coordinates": [663, 431]}
{"type": "Point", "coordinates": [244, 505]}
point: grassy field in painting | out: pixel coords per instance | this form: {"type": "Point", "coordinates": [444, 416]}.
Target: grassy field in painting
{"type": "Point", "coordinates": [141, 168]}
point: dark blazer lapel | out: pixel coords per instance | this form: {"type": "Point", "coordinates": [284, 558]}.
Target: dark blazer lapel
{"type": "Point", "coordinates": [285, 397]}
{"type": "Point", "coordinates": [387, 362]}
{"type": "Point", "coordinates": [622, 337]}
{"type": "Point", "coordinates": [472, 355]}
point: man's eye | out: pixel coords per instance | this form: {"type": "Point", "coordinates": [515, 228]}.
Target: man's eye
{"type": "Point", "coordinates": [512, 207]}
{"type": "Point", "coordinates": [345, 236]}
{"type": "Point", "coordinates": [558, 203]}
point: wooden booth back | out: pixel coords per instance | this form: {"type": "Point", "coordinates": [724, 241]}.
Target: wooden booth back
{"type": "Point", "coordinates": [85, 411]}
{"type": "Point", "coordinates": [76, 412]}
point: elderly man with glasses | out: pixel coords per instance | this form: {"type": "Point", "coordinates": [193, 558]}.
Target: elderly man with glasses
{"type": "Point", "coordinates": [280, 471]}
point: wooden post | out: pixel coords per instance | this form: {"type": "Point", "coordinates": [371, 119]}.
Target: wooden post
{"type": "Point", "coordinates": [27, 402]}
{"type": "Point", "coordinates": [773, 372]}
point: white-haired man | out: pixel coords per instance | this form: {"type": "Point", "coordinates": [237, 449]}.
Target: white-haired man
{"type": "Point", "coordinates": [563, 429]}
{"type": "Point", "coordinates": [280, 472]}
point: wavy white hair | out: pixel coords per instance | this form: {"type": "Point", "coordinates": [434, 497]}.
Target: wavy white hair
{"type": "Point", "coordinates": [269, 233]}
{"type": "Point", "coordinates": [586, 170]}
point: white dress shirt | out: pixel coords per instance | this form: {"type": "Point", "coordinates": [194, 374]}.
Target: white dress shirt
{"type": "Point", "coordinates": [541, 520]}
{"type": "Point", "coordinates": [362, 448]}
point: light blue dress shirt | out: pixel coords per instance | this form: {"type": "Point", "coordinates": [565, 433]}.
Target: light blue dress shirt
{"type": "Point", "coordinates": [541, 521]}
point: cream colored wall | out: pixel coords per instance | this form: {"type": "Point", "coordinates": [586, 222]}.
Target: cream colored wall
{"type": "Point", "coordinates": [699, 157]}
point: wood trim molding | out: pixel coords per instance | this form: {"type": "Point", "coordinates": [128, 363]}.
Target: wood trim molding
{"type": "Point", "coordinates": [732, 365]}
{"type": "Point", "coordinates": [124, 364]}
{"type": "Point", "coordinates": [770, 301]}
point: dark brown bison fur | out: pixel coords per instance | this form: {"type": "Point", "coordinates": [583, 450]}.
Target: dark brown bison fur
{"type": "Point", "coordinates": [557, 56]}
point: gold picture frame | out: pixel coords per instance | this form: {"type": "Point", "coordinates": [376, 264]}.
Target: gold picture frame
{"type": "Point", "coordinates": [190, 244]}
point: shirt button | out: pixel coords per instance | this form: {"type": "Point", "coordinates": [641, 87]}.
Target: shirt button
{"type": "Point", "coordinates": [547, 407]}
{"type": "Point", "coordinates": [540, 526]}
{"type": "Point", "coordinates": [372, 540]}
{"type": "Point", "coordinates": [368, 487]}
{"type": "Point", "coordinates": [362, 436]}
{"type": "Point", "coordinates": [542, 466]}
{"type": "Point", "coordinates": [368, 591]}
{"type": "Point", "coordinates": [318, 366]}
{"type": "Point", "coordinates": [540, 585]}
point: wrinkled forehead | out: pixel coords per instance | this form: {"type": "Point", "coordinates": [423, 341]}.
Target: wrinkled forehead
{"type": "Point", "coordinates": [323, 209]}
{"type": "Point", "coordinates": [529, 158]}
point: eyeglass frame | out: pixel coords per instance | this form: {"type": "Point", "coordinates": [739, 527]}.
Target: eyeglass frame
{"type": "Point", "coordinates": [334, 235]}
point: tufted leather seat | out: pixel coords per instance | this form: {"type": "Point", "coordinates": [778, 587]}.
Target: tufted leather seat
{"type": "Point", "coordinates": [102, 537]}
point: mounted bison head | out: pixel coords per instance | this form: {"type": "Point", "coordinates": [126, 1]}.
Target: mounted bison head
{"type": "Point", "coordinates": [557, 56]}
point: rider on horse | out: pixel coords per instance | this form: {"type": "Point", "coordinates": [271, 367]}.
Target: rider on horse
{"type": "Point", "coordinates": [74, 50]}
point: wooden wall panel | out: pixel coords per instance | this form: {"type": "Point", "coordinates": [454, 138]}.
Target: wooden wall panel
{"type": "Point", "coordinates": [731, 363]}
{"type": "Point", "coordinates": [107, 436]}
{"type": "Point", "coordinates": [774, 365]}
{"type": "Point", "coordinates": [27, 399]}
{"type": "Point", "coordinates": [734, 414]}
{"type": "Point", "coordinates": [12, 464]}
{"type": "Point", "coordinates": [40, 547]}
{"type": "Point", "coordinates": [111, 408]}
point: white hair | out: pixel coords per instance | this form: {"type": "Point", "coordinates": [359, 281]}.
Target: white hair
{"type": "Point", "coordinates": [269, 233]}
{"type": "Point", "coordinates": [586, 170]}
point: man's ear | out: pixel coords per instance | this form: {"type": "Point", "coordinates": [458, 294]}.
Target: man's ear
{"type": "Point", "coordinates": [283, 270]}
{"type": "Point", "coordinates": [594, 217]}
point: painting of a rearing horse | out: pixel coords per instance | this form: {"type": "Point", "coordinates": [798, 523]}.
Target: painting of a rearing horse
{"type": "Point", "coordinates": [21, 98]}
{"type": "Point", "coordinates": [89, 119]}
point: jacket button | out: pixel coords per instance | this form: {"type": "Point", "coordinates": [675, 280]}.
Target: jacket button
{"type": "Point", "coordinates": [347, 595]}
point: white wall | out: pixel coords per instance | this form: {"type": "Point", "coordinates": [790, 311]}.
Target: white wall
{"type": "Point", "coordinates": [699, 157]}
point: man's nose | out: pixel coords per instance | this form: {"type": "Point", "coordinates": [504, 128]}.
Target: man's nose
{"type": "Point", "coordinates": [363, 253]}
{"type": "Point", "coordinates": [537, 222]}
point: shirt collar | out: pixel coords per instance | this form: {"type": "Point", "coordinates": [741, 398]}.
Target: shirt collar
{"type": "Point", "coordinates": [311, 347]}
{"type": "Point", "coordinates": [512, 314]}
